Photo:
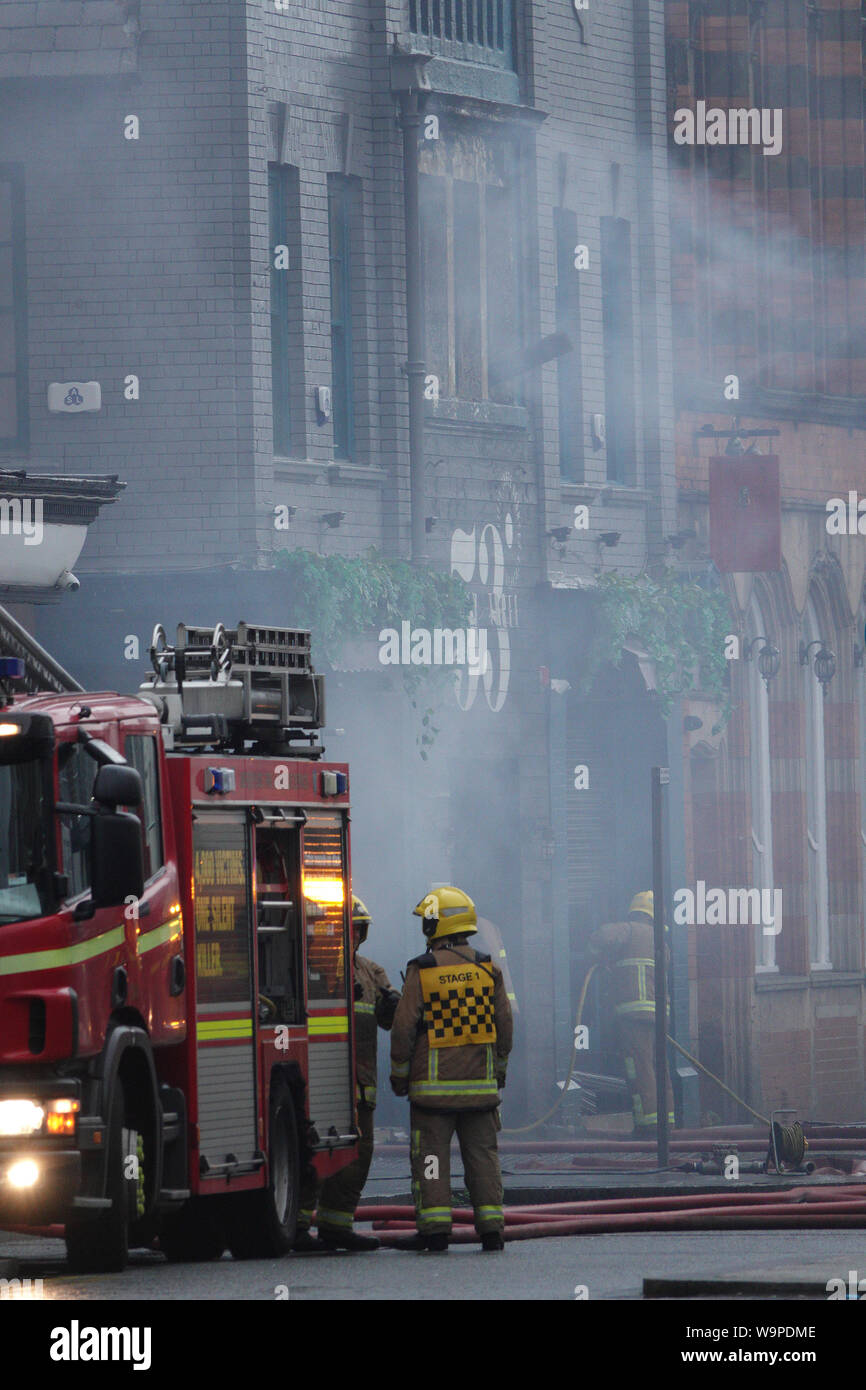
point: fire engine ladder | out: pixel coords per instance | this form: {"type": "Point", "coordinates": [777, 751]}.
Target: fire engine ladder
{"type": "Point", "coordinates": [219, 686]}
{"type": "Point", "coordinates": [41, 671]}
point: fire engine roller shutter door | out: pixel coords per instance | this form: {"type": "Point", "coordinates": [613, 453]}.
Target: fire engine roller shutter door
{"type": "Point", "coordinates": [329, 1058]}
{"type": "Point", "coordinates": [224, 1007]}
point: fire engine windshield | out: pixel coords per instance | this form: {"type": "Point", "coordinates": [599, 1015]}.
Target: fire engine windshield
{"type": "Point", "coordinates": [23, 842]}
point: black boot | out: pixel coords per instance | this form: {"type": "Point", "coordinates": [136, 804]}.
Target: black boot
{"type": "Point", "coordinates": [492, 1240]}
{"type": "Point", "coordinates": [308, 1244]}
{"type": "Point", "coordinates": [422, 1242]}
{"type": "Point", "coordinates": [347, 1240]}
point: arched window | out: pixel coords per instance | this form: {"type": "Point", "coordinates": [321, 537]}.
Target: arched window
{"type": "Point", "coordinates": [760, 787]}
{"type": "Point", "coordinates": [816, 805]}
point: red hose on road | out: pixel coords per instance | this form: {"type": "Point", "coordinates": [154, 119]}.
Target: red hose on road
{"type": "Point", "coordinates": [751, 1219]}
{"type": "Point", "coordinates": [798, 1208]}
{"type": "Point", "coordinates": [799, 1196]}
{"type": "Point", "coordinates": [647, 1146]}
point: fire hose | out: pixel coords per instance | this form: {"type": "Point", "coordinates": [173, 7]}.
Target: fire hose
{"type": "Point", "coordinates": [800, 1208]}
{"type": "Point", "coordinates": [525, 1129]}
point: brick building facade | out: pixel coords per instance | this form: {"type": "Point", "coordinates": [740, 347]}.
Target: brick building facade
{"type": "Point", "coordinates": [240, 251]}
{"type": "Point", "coordinates": [769, 286]}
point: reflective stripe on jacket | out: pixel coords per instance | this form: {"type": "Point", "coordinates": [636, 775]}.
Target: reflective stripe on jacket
{"type": "Point", "coordinates": [628, 948]}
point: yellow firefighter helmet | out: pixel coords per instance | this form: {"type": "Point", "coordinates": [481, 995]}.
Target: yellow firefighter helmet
{"type": "Point", "coordinates": [360, 918]}
{"type": "Point", "coordinates": [642, 902]}
{"type": "Point", "coordinates": [446, 911]}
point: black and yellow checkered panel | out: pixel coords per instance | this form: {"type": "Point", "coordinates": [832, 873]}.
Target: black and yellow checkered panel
{"type": "Point", "coordinates": [458, 1005]}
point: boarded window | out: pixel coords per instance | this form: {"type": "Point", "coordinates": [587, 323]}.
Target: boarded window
{"type": "Point", "coordinates": [341, 204]}
{"type": "Point", "coordinates": [569, 384]}
{"type": "Point", "coordinates": [284, 262]}
{"type": "Point", "coordinates": [616, 305]}
{"type": "Point", "coordinates": [13, 361]}
{"type": "Point", "coordinates": [469, 267]}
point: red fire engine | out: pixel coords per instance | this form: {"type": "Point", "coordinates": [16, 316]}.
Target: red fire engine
{"type": "Point", "coordinates": [175, 972]}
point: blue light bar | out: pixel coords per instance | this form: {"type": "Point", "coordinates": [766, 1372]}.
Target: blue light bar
{"type": "Point", "coordinates": [11, 668]}
{"type": "Point", "coordinates": [219, 780]}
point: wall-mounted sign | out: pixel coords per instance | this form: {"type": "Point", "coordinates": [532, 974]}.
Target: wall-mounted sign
{"type": "Point", "coordinates": [745, 513]}
{"type": "Point", "coordinates": [74, 396]}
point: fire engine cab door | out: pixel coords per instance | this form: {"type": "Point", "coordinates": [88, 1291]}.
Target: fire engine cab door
{"type": "Point", "coordinates": [225, 1048]}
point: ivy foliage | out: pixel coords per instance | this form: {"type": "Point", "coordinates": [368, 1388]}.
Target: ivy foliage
{"type": "Point", "coordinates": [338, 598]}
{"type": "Point", "coordinates": [681, 624]}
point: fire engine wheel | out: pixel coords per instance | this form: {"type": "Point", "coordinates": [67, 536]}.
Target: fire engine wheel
{"type": "Point", "coordinates": [262, 1224]}
{"type": "Point", "coordinates": [193, 1234]}
{"type": "Point", "coordinates": [101, 1244]}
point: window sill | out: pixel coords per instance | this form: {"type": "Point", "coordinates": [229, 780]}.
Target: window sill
{"type": "Point", "coordinates": [816, 979]}
{"type": "Point", "coordinates": [606, 494]}
{"type": "Point", "coordinates": [771, 403]}
{"type": "Point", "coordinates": [488, 414]}
{"type": "Point", "coordinates": [454, 76]}
{"type": "Point", "coordinates": [769, 980]}
{"type": "Point", "coordinates": [835, 979]}
{"type": "Point", "coordinates": [335, 471]}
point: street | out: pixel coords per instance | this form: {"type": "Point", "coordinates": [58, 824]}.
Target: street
{"type": "Point", "coordinates": [432, 667]}
{"type": "Point", "coordinates": [609, 1267]}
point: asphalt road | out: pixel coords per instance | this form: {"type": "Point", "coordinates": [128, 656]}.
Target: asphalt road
{"type": "Point", "coordinates": [609, 1266]}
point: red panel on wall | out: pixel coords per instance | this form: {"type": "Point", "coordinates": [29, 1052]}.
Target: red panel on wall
{"type": "Point", "coordinates": [745, 513]}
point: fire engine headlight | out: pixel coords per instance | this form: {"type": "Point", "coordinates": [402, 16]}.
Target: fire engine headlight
{"type": "Point", "coordinates": [19, 1117]}
{"type": "Point", "coordinates": [23, 1174]}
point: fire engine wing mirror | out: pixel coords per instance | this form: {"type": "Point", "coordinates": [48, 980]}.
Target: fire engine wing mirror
{"type": "Point", "coordinates": [116, 857]}
{"type": "Point", "coordinates": [117, 785]}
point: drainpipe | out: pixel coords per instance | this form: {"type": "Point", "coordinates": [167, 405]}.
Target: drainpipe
{"type": "Point", "coordinates": [409, 81]}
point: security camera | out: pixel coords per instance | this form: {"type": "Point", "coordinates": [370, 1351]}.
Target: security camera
{"type": "Point", "coordinates": [67, 580]}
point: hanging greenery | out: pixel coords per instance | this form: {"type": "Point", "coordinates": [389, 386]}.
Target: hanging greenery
{"type": "Point", "coordinates": [338, 598]}
{"type": "Point", "coordinates": [681, 625]}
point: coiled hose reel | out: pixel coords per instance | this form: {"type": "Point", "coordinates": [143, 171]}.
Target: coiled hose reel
{"type": "Point", "coordinates": [788, 1143]}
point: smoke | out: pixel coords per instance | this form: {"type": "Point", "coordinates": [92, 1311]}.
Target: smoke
{"type": "Point", "coordinates": [755, 293]}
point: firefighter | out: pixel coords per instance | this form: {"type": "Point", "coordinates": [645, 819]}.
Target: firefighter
{"type": "Point", "coordinates": [628, 948]}
{"type": "Point", "coordinates": [375, 1005]}
{"type": "Point", "coordinates": [490, 937]}
{"type": "Point", "coordinates": [449, 1052]}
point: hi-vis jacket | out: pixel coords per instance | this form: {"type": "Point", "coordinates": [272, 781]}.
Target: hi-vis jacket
{"type": "Point", "coordinates": [369, 1016]}
{"type": "Point", "coordinates": [628, 949]}
{"type": "Point", "coordinates": [452, 1031]}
